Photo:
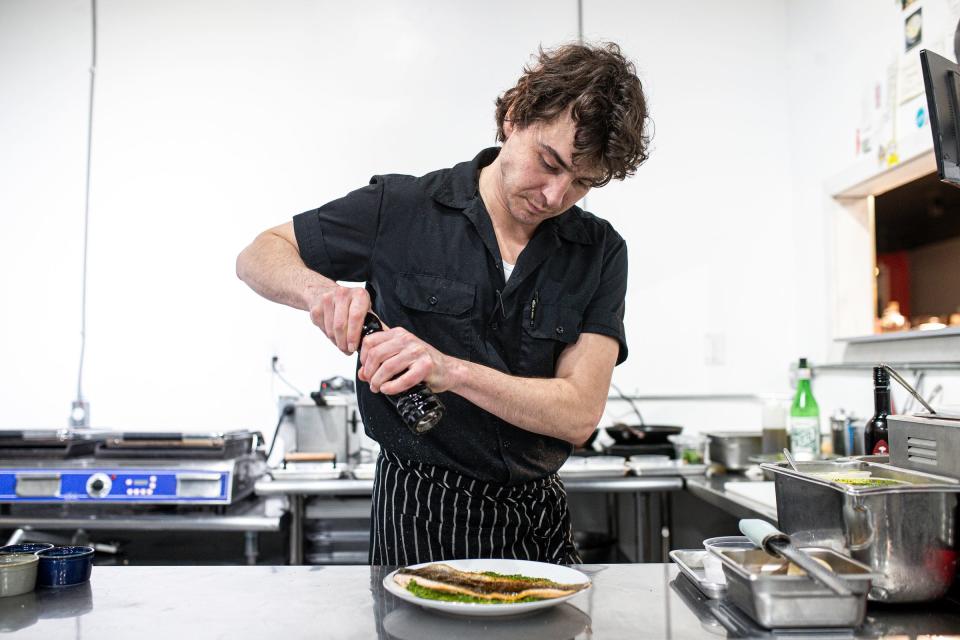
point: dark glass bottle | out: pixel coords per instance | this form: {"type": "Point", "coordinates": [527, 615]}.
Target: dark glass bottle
{"type": "Point", "coordinates": [418, 406]}
{"type": "Point", "coordinates": [875, 433]}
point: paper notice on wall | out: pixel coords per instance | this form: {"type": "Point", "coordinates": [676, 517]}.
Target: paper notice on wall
{"type": "Point", "coordinates": [910, 77]}
{"type": "Point", "coordinates": [910, 80]}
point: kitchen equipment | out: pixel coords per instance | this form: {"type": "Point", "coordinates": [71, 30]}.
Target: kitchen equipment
{"type": "Point", "coordinates": [905, 533]}
{"type": "Point", "coordinates": [733, 449]}
{"type": "Point", "coordinates": [593, 467]}
{"type": "Point", "coordinates": [790, 460]}
{"type": "Point", "coordinates": [329, 427]}
{"type": "Point", "coordinates": [147, 468]}
{"type": "Point", "coordinates": [419, 407]}
{"type": "Point", "coordinates": [627, 450]}
{"type": "Point", "coordinates": [48, 443]}
{"type": "Point", "coordinates": [775, 542]}
{"type": "Point", "coordinates": [641, 434]}
{"type": "Point", "coordinates": [712, 566]}
{"type": "Point", "coordinates": [924, 442]}
{"type": "Point", "coordinates": [839, 432]}
{"type": "Point", "coordinates": [18, 573]}
{"type": "Point", "coordinates": [776, 600]}
{"type": "Point", "coordinates": [691, 564]}
{"type": "Point", "coordinates": [28, 547]}
{"type": "Point", "coordinates": [64, 566]}
{"type": "Point", "coordinates": [691, 448]}
{"type": "Point", "coordinates": [672, 468]}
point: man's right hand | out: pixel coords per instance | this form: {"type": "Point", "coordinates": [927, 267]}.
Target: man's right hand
{"type": "Point", "coordinates": [339, 312]}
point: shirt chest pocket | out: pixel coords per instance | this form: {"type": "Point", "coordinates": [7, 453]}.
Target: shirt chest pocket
{"type": "Point", "coordinates": [548, 329]}
{"type": "Point", "coordinates": [437, 310]}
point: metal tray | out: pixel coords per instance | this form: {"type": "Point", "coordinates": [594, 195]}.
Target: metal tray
{"type": "Point", "coordinates": [690, 562]}
{"type": "Point", "coordinates": [776, 601]}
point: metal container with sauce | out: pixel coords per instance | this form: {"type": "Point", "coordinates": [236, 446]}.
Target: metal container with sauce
{"type": "Point", "coordinates": [905, 530]}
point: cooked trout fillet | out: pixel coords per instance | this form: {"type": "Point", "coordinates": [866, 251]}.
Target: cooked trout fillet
{"type": "Point", "coordinates": [443, 577]}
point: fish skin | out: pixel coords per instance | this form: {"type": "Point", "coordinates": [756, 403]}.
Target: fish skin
{"type": "Point", "coordinates": [443, 577]}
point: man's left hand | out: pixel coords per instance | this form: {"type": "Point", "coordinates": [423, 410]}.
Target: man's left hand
{"type": "Point", "coordinates": [397, 353]}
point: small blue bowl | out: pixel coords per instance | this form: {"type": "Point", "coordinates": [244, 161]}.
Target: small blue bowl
{"type": "Point", "coordinates": [64, 566]}
{"type": "Point", "coordinates": [27, 547]}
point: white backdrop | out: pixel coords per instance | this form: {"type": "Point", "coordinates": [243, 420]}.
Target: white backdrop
{"type": "Point", "coordinates": [215, 120]}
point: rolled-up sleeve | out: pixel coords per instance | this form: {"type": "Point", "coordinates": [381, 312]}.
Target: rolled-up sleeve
{"type": "Point", "coordinates": [604, 313]}
{"type": "Point", "coordinates": [337, 239]}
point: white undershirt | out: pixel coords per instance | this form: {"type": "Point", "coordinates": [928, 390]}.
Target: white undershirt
{"type": "Point", "coordinates": [507, 270]}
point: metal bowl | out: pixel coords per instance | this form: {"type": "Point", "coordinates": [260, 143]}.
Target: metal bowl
{"type": "Point", "coordinates": [18, 573]}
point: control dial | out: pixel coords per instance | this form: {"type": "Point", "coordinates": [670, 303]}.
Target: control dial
{"type": "Point", "coordinates": [98, 485]}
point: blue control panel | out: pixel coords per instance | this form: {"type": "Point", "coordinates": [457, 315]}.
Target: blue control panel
{"type": "Point", "coordinates": [114, 485]}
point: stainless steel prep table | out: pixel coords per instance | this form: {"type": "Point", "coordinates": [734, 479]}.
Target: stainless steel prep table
{"type": "Point", "coordinates": [641, 487]}
{"type": "Point", "coordinates": [349, 602]}
{"type": "Point", "coordinates": [251, 517]}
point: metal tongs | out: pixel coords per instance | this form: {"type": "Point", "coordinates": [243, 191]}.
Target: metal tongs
{"type": "Point", "coordinates": [773, 541]}
{"type": "Point", "coordinates": [906, 385]}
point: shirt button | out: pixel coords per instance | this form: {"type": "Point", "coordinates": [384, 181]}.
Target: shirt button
{"type": "Point", "coordinates": [494, 326]}
{"type": "Point", "coordinates": [433, 299]}
{"type": "Point", "coordinates": [559, 331]}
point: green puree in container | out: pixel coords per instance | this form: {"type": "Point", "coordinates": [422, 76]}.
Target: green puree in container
{"type": "Point", "coordinates": [433, 594]}
{"type": "Point", "coordinates": [870, 482]}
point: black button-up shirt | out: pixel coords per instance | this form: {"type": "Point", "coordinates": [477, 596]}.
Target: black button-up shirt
{"type": "Point", "coordinates": [426, 248]}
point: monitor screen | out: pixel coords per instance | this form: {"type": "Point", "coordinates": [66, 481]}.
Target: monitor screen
{"type": "Point", "coordinates": [941, 78]}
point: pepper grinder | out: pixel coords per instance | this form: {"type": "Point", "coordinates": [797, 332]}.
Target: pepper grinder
{"type": "Point", "coordinates": [419, 407]}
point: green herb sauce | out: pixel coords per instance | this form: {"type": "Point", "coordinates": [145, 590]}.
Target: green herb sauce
{"type": "Point", "coordinates": [433, 594]}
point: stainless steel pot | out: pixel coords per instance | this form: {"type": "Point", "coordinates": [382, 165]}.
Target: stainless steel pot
{"type": "Point", "coordinates": [733, 449]}
{"type": "Point", "coordinates": [906, 532]}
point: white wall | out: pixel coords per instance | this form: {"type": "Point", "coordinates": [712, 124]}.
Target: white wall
{"type": "Point", "coordinates": [215, 120]}
{"type": "Point", "coordinates": [707, 218]}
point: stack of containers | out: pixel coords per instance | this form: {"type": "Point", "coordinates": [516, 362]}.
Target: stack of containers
{"type": "Point", "coordinates": [23, 567]}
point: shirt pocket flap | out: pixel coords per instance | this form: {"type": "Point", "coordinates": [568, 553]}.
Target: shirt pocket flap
{"type": "Point", "coordinates": [435, 294]}
{"type": "Point", "coordinates": [552, 321]}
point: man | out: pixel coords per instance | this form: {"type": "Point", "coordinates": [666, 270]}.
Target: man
{"type": "Point", "coordinates": [499, 293]}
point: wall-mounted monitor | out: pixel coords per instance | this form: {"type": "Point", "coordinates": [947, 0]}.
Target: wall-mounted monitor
{"type": "Point", "coordinates": [941, 78]}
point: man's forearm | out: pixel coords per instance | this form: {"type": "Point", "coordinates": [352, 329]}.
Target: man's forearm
{"type": "Point", "coordinates": [548, 406]}
{"type": "Point", "coordinates": [272, 267]}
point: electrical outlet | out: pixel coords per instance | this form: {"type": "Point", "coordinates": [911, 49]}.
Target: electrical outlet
{"type": "Point", "coordinates": [714, 349]}
{"type": "Point", "coordinates": [79, 414]}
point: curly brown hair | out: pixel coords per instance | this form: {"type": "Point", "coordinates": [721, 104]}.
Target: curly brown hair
{"type": "Point", "coordinates": [601, 89]}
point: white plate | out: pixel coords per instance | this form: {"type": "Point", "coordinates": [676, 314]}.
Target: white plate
{"type": "Point", "coordinates": [675, 468]}
{"type": "Point", "coordinates": [555, 572]}
{"type": "Point", "coordinates": [593, 467]}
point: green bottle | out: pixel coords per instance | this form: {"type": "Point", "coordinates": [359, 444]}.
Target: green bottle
{"type": "Point", "coordinates": [804, 418]}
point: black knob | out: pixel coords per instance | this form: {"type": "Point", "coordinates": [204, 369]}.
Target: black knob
{"type": "Point", "coordinates": [97, 485]}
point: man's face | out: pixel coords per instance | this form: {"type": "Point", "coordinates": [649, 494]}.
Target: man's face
{"type": "Point", "coordinates": [538, 177]}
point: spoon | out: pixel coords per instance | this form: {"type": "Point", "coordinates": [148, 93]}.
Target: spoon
{"type": "Point", "coordinates": [793, 463]}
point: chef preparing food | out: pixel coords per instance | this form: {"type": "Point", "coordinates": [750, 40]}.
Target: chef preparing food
{"type": "Point", "coordinates": [495, 290]}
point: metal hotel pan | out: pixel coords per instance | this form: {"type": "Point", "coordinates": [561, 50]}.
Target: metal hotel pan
{"type": "Point", "coordinates": [906, 532]}
{"type": "Point", "coordinates": [776, 601]}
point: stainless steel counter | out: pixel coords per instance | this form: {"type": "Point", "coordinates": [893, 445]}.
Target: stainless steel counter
{"type": "Point", "coordinates": [711, 490]}
{"type": "Point", "coordinates": [642, 488]}
{"type": "Point", "coordinates": [626, 601]}
{"type": "Point", "coordinates": [350, 487]}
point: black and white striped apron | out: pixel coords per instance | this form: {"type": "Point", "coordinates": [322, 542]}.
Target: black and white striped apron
{"type": "Point", "coordinates": [422, 513]}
